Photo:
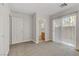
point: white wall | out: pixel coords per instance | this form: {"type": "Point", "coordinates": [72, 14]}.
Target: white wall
{"type": "Point", "coordinates": [4, 29]}
{"type": "Point", "coordinates": [26, 20]}
{"type": "Point", "coordinates": [47, 28]}
{"type": "Point", "coordinates": [34, 27]}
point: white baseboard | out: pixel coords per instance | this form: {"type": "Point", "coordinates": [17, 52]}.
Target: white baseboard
{"type": "Point", "coordinates": [34, 41]}
{"type": "Point", "coordinates": [49, 40]}
{"type": "Point", "coordinates": [22, 41]}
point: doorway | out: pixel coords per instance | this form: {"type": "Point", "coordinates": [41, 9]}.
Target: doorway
{"type": "Point", "coordinates": [41, 30]}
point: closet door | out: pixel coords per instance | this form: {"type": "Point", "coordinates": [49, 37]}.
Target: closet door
{"type": "Point", "coordinates": [27, 29]}
{"type": "Point", "coordinates": [17, 30]}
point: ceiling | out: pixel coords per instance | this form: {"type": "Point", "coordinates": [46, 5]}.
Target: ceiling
{"type": "Point", "coordinates": [42, 8]}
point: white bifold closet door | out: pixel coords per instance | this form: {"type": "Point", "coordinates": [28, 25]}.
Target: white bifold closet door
{"type": "Point", "coordinates": [17, 30]}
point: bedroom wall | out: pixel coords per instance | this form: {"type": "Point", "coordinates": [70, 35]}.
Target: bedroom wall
{"type": "Point", "coordinates": [4, 30]}
{"type": "Point", "coordinates": [34, 27]}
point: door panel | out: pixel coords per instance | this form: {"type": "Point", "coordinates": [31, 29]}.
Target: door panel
{"type": "Point", "coordinates": [27, 29]}
{"type": "Point", "coordinates": [17, 30]}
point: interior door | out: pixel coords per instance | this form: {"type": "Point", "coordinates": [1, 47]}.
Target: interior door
{"type": "Point", "coordinates": [17, 30]}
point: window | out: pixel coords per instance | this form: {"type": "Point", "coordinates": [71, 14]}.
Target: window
{"type": "Point", "coordinates": [69, 20]}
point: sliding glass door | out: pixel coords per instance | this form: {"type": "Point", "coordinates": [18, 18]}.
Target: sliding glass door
{"type": "Point", "coordinates": [69, 30]}
{"type": "Point", "coordinates": [64, 30]}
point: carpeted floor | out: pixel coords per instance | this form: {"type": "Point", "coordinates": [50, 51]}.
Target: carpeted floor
{"type": "Point", "coordinates": [42, 49]}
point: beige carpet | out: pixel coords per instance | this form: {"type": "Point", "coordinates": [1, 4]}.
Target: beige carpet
{"type": "Point", "coordinates": [42, 49]}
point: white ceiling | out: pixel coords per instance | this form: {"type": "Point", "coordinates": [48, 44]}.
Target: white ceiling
{"type": "Point", "coordinates": [42, 8]}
